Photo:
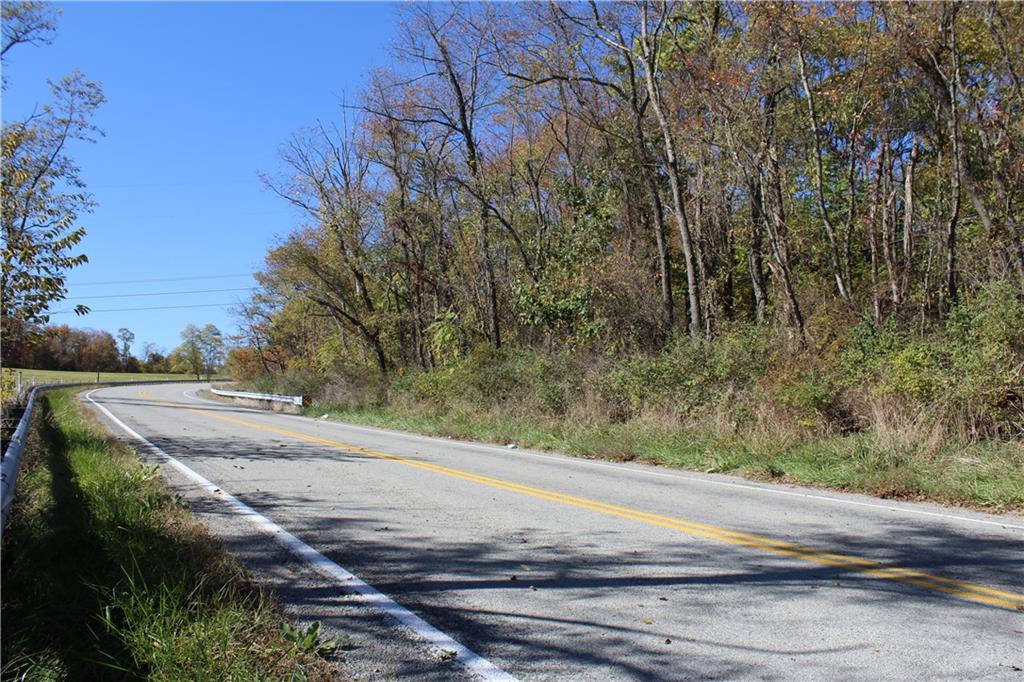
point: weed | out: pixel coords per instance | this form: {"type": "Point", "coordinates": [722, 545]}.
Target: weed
{"type": "Point", "coordinates": [308, 640]}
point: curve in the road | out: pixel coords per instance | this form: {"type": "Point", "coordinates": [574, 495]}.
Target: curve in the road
{"type": "Point", "coordinates": [963, 589]}
{"type": "Point", "coordinates": [438, 640]}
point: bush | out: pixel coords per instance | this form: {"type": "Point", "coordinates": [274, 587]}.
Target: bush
{"type": "Point", "coordinates": [986, 358]}
{"type": "Point", "coordinates": [916, 373]}
{"type": "Point", "coordinates": [964, 378]}
{"type": "Point", "coordinates": [968, 375]}
{"type": "Point", "coordinates": [489, 378]}
{"type": "Point", "coordinates": [689, 376]}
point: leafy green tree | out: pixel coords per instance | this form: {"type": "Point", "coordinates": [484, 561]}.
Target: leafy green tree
{"type": "Point", "coordinates": [201, 351]}
{"type": "Point", "coordinates": [188, 357]}
{"type": "Point", "coordinates": [211, 348]}
{"type": "Point", "coordinates": [126, 337]}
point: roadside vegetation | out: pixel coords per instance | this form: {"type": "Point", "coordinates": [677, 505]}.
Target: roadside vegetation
{"type": "Point", "coordinates": [783, 240]}
{"type": "Point", "coordinates": [883, 412]}
{"type": "Point", "coordinates": [107, 576]}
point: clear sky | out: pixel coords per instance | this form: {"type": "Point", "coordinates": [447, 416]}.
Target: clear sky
{"type": "Point", "coordinates": [200, 97]}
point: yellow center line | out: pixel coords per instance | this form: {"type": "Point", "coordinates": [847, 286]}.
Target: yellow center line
{"type": "Point", "coordinates": [959, 588]}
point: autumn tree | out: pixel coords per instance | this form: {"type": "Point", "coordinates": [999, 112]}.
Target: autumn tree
{"type": "Point", "coordinates": [564, 176]}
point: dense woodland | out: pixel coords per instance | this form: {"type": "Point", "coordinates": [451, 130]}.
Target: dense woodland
{"type": "Point", "coordinates": [808, 196]}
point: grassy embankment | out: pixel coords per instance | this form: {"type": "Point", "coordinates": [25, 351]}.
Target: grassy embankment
{"type": "Point", "coordinates": [106, 575]}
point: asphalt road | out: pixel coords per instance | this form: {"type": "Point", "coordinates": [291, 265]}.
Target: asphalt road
{"type": "Point", "coordinates": [550, 567]}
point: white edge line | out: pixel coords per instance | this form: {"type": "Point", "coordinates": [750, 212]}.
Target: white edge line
{"type": "Point", "coordinates": [567, 459]}
{"type": "Point", "coordinates": [367, 594]}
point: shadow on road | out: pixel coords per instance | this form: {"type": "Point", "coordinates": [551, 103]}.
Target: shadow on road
{"type": "Point", "coordinates": [527, 587]}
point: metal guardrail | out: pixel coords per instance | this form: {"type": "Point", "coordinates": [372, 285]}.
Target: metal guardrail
{"type": "Point", "coordinates": [12, 457]}
{"type": "Point", "coordinates": [16, 445]}
{"type": "Point", "coordinates": [272, 397]}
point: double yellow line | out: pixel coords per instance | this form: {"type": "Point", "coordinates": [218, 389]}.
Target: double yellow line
{"type": "Point", "coordinates": [959, 588]}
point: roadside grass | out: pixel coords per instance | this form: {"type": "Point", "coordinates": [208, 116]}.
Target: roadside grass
{"type": "Point", "coordinates": [988, 475]}
{"type": "Point", "coordinates": [107, 576]}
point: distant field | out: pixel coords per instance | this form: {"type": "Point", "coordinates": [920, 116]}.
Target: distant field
{"type": "Point", "coordinates": [46, 376]}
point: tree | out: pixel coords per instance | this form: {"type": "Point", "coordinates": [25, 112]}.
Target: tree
{"type": "Point", "coordinates": [188, 357]}
{"type": "Point", "coordinates": [451, 48]}
{"type": "Point", "coordinates": [564, 175]}
{"type": "Point", "coordinates": [43, 194]}
{"type": "Point", "coordinates": [154, 359]}
{"type": "Point", "coordinates": [211, 348]}
{"type": "Point", "coordinates": [334, 263]}
{"type": "Point", "coordinates": [126, 337]}
{"type": "Point", "coordinates": [26, 23]}
{"type": "Point", "coordinates": [100, 353]}
{"type": "Point", "coordinates": [201, 351]}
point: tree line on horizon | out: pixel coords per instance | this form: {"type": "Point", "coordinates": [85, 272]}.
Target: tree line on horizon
{"type": "Point", "coordinates": [613, 176]}
{"type": "Point", "coordinates": [61, 347]}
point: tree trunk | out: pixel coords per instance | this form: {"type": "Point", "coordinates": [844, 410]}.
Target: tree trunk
{"type": "Point", "coordinates": [658, 212]}
{"type": "Point", "coordinates": [908, 223]}
{"type": "Point", "coordinates": [693, 284]}
{"type": "Point", "coordinates": [951, 293]}
{"type": "Point", "coordinates": [837, 274]}
{"type": "Point", "coordinates": [876, 201]}
{"type": "Point", "coordinates": [755, 260]}
{"type": "Point", "coordinates": [886, 199]}
{"type": "Point", "coordinates": [778, 236]}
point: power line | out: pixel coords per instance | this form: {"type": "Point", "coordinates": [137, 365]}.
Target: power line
{"type": "Point", "coordinates": [165, 293]}
{"type": "Point", "coordinates": [161, 307]}
{"type": "Point", "coordinates": [157, 279]}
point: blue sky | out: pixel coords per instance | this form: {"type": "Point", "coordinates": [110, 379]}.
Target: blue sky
{"type": "Point", "coordinates": [200, 97]}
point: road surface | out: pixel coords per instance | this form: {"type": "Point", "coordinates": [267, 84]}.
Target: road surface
{"type": "Point", "coordinates": [551, 568]}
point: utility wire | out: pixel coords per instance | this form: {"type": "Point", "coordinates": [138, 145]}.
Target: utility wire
{"type": "Point", "coordinates": [165, 293]}
{"type": "Point", "coordinates": [157, 279]}
{"type": "Point", "coordinates": [162, 307]}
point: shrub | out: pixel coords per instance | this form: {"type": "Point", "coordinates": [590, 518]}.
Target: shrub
{"type": "Point", "coordinates": [917, 373]}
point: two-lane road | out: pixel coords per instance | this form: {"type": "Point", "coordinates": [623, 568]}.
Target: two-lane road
{"type": "Point", "coordinates": [556, 568]}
